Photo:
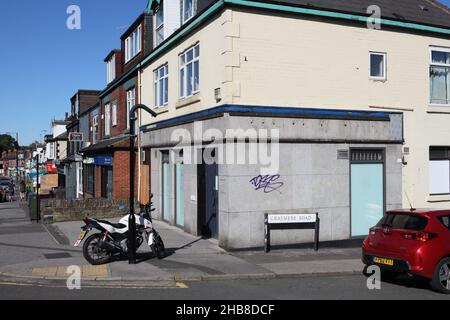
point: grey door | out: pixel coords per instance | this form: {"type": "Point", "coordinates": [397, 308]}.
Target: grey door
{"type": "Point", "coordinates": [208, 195]}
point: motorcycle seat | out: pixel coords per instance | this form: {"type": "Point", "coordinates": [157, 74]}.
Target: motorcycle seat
{"type": "Point", "coordinates": [114, 225]}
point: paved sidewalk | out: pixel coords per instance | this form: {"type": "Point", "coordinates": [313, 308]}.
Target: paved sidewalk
{"type": "Point", "coordinates": [34, 252]}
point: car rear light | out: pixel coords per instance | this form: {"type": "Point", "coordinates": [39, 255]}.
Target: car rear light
{"type": "Point", "coordinates": [421, 236]}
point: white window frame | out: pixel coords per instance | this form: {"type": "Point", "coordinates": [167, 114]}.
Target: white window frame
{"type": "Point", "coordinates": [131, 101]}
{"type": "Point", "coordinates": [192, 13]}
{"type": "Point", "coordinates": [111, 70]}
{"type": "Point", "coordinates": [435, 64]}
{"type": "Point", "coordinates": [114, 114]}
{"type": "Point", "coordinates": [107, 119]}
{"type": "Point", "coordinates": [133, 44]}
{"type": "Point", "coordinates": [94, 128]}
{"type": "Point", "coordinates": [80, 181]}
{"type": "Point", "coordinates": [158, 81]}
{"type": "Point", "coordinates": [183, 72]}
{"type": "Point", "coordinates": [384, 55]}
{"type": "Point", "coordinates": [159, 27]}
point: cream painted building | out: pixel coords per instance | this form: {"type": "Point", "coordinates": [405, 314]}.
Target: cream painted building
{"type": "Point", "coordinates": [228, 63]}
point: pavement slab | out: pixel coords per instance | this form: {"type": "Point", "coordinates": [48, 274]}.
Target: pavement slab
{"type": "Point", "coordinates": [30, 250]}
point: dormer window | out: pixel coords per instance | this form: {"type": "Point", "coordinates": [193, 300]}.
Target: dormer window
{"type": "Point", "coordinates": [187, 10]}
{"type": "Point", "coordinates": [133, 44]}
{"type": "Point", "coordinates": [111, 69]}
{"type": "Point", "coordinates": [159, 24]}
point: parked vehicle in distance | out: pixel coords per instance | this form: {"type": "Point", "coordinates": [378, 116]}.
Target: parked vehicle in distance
{"type": "Point", "coordinates": [6, 187]}
{"type": "Point", "coordinates": [415, 242]}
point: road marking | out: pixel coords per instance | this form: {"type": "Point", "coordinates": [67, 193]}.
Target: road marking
{"type": "Point", "coordinates": [181, 285]}
{"type": "Point", "coordinates": [17, 284]}
{"type": "Point", "coordinates": [101, 271]}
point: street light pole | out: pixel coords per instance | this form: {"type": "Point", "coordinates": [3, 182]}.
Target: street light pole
{"type": "Point", "coordinates": [132, 218]}
{"type": "Point", "coordinates": [38, 204]}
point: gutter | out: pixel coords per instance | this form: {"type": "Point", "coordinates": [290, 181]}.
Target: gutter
{"type": "Point", "coordinates": [268, 6]}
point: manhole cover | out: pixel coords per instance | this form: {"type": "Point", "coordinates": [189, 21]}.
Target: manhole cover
{"type": "Point", "coordinates": [58, 255]}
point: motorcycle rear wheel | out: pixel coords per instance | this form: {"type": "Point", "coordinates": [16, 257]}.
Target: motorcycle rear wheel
{"type": "Point", "coordinates": [93, 253]}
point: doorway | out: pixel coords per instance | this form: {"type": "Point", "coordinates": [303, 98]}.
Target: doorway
{"type": "Point", "coordinates": [166, 185]}
{"type": "Point", "coordinates": [367, 194]}
{"type": "Point", "coordinates": [107, 182]}
{"type": "Point", "coordinates": [208, 194]}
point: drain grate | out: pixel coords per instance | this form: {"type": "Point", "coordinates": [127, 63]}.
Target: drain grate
{"type": "Point", "coordinates": [58, 255]}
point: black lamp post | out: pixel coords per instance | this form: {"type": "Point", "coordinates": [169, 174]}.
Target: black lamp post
{"type": "Point", "coordinates": [38, 204]}
{"type": "Point", "coordinates": [132, 218]}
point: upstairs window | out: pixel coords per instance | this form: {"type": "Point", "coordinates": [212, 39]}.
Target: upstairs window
{"type": "Point", "coordinates": [95, 136]}
{"type": "Point", "coordinates": [377, 66]}
{"type": "Point", "coordinates": [131, 100]}
{"type": "Point", "coordinates": [133, 45]}
{"type": "Point", "coordinates": [107, 119]}
{"type": "Point", "coordinates": [111, 69]}
{"type": "Point", "coordinates": [114, 114]}
{"type": "Point", "coordinates": [440, 76]}
{"type": "Point", "coordinates": [187, 10]}
{"type": "Point", "coordinates": [161, 79]}
{"type": "Point", "coordinates": [190, 72]}
{"type": "Point", "coordinates": [159, 24]}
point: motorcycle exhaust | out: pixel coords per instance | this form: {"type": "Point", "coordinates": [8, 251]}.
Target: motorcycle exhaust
{"type": "Point", "coordinates": [109, 247]}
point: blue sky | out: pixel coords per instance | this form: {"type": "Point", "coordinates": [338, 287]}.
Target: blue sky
{"type": "Point", "coordinates": [42, 63]}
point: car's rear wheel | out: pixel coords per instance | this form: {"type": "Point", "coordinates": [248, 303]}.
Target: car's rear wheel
{"type": "Point", "coordinates": [441, 276]}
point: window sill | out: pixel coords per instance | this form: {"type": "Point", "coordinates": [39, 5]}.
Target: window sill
{"type": "Point", "coordinates": [184, 102]}
{"type": "Point", "coordinates": [438, 108]}
{"type": "Point", "coordinates": [161, 110]}
{"type": "Point", "coordinates": [378, 79]}
{"type": "Point", "coordinates": [439, 198]}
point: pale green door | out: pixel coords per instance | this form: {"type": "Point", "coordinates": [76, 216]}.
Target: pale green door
{"type": "Point", "coordinates": [179, 194]}
{"type": "Point", "coordinates": [165, 186]}
{"type": "Point", "coordinates": [367, 196]}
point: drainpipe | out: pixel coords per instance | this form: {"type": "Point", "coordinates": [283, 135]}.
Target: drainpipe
{"type": "Point", "coordinates": [139, 135]}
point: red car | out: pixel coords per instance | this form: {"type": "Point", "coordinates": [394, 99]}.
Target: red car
{"type": "Point", "coordinates": [416, 242]}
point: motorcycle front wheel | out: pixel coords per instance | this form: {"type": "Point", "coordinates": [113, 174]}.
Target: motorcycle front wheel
{"type": "Point", "coordinates": [92, 251]}
{"type": "Point", "coordinates": [158, 248]}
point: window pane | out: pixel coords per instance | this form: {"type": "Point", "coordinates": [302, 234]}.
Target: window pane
{"type": "Point", "coordinates": [189, 79]}
{"type": "Point", "coordinates": [159, 16]}
{"type": "Point", "coordinates": [160, 36]}
{"type": "Point", "coordinates": [189, 56]}
{"type": "Point", "coordinates": [196, 75]}
{"type": "Point", "coordinates": [197, 51]}
{"type": "Point", "coordinates": [156, 93]}
{"type": "Point", "coordinates": [439, 177]}
{"type": "Point", "coordinates": [440, 85]}
{"type": "Point", "coordinates": [188, 9]}
{"type": "Point", "coordinates": [377, 65]}
{"type": "Point", "coordinates": [182, 82]}
{"type": "Point", "coordinates": [440, 57]}
{"type": "Point", "coordinates": [166, 90]}
{"type": "Point", "coordinates": [161, 92]}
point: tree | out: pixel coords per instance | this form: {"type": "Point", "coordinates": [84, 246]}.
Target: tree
{"type": "Point", "coordinates": [7, 143]}
{"type": "Point", "coordinates": [35, 145]}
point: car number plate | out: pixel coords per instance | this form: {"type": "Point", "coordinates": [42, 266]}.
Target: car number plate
{"type": "Point", "coordinates": [385, 261]}
{"type": "Point", "coordinates": [80, 238]}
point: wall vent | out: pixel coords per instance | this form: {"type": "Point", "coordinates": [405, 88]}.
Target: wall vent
{"type": "Point", "coordinates": [343, 154]}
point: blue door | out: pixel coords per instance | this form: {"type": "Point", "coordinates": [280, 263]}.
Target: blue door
{"type": "Point", "coordinates": [367, 191]}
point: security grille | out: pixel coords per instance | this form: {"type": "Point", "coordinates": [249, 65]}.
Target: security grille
{"type": "Point", "coordinates": [367, 155]}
